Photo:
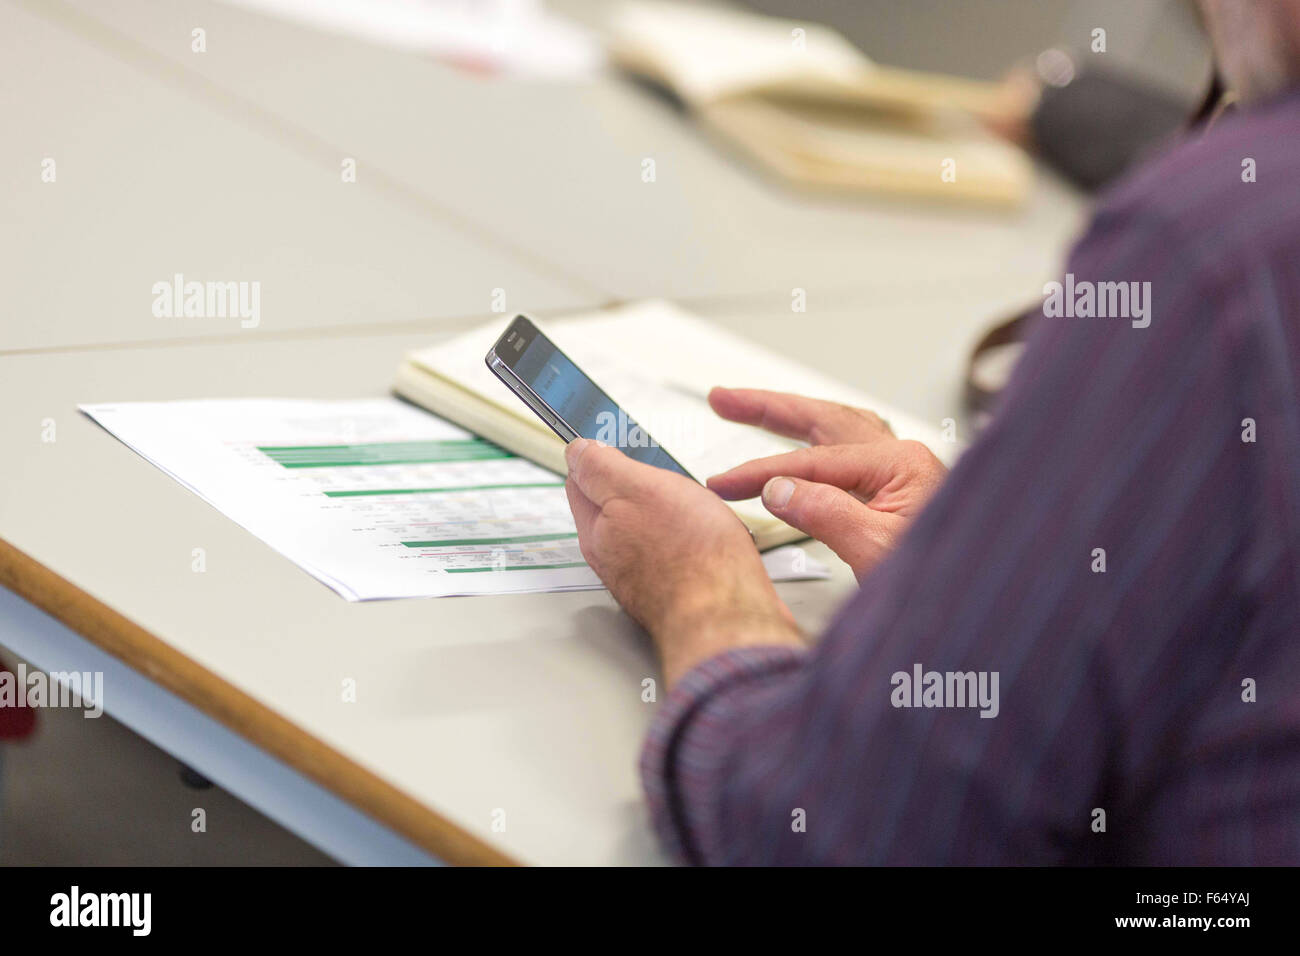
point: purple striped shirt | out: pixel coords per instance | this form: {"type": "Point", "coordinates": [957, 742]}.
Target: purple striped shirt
{"type": "Point", "coordinates": [1146, 713]}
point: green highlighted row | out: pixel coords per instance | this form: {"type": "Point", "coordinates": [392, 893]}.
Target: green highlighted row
{"type": "Point", "coordinates": [521, 539]}
{"type": "Point", "coordinates": [435, 491]}
{"type": "Point", "coordinates": [519, 567]}
{"type": "Point", "coordinates": [383, 453]}
{"type": "Point", "coordinates": [293, 449]}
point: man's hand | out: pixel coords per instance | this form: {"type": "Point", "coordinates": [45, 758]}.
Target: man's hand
{"type": "Point", "coordinates": [674, 555]}
{"type": "Point", "coordinates": [856, 489]}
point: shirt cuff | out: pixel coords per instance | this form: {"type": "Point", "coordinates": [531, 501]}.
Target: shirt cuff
{"type": "Point", "coordinates": [687, 737]}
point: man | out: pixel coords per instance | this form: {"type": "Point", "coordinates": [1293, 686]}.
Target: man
{"type": "Point", "coordinates": [1107, 586]}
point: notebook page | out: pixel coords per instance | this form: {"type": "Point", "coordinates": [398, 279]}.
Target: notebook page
{"type": "Point", "coordinates": [659, 362]}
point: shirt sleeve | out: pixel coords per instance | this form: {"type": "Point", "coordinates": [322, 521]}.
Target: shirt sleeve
{"type": "Point", "coordinates": [1093, 129]}
{"type": "Point", "coordinates": [1068, 559]}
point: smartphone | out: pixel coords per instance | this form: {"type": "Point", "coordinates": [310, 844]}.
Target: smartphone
{"type": "Point", "coordinates": [563, 396]}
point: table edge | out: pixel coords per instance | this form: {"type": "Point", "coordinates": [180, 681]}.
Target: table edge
{"type": "Point", "coordinates": [237, 711]}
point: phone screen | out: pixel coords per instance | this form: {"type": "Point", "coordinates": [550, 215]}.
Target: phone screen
{"type": "Point", "coordinates": [583, 404]}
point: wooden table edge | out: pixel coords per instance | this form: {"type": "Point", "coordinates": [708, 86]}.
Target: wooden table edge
{"type": "Point", "coordinates": [240, 713]}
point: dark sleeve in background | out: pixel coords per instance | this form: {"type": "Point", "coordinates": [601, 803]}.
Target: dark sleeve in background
{"type": "Point", "coordinates": [1097, 126]}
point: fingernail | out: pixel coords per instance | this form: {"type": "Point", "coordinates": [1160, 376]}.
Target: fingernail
{"type": "Point", "coordinates": [573, 451]}
{"type": "Point", "coordinates": [777, 492]}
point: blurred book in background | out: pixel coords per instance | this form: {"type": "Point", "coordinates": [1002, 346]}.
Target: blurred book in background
{"type": "Point", "coordinates": [810, 107]}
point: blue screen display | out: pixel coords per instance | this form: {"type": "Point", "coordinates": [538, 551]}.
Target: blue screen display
{"type": "Point", "coordinates": [581, 403]}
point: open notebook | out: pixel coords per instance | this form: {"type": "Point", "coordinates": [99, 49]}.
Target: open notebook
{"type": "Point", "coordinates": [658, 362]}
{"type": "Point", "coordinates": [805, 103]}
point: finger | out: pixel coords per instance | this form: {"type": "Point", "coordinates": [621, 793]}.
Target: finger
{"type": "Point", "coordinates": [794, 416]}
{"type": "Point", "coordinates": [859, 535]}
{"type": "Point", "coordinates": [863, 469]}
{"type": "Point", "coordinates": [602, 472]}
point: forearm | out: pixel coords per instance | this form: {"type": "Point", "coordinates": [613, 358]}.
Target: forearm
{"type": "Point", "coordinates": [691, 752]}
{"type": "Point", "coordinates": [699, 629]}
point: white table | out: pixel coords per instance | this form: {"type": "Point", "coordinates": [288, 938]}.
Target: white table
{"type": "Point", "coordinates": [226, 166]}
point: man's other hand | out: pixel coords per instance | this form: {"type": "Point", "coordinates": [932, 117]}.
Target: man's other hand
{"type": "Point", "coordinates": [856, 489]}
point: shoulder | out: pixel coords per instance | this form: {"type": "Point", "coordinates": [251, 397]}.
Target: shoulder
{"type": "Point", "coordinates": [1210, 229]}
{"type": "Point", "coordinates": [1217, 195]}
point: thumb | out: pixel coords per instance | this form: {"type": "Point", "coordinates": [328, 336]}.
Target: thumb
{"type": "Point", "coordinates": [602, 471]}
{"type": "Point", "coordinates": [858, 534]}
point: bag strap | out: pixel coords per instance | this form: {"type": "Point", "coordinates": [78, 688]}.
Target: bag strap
{"type": "Point", "coordinates": [979, 395]}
